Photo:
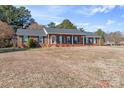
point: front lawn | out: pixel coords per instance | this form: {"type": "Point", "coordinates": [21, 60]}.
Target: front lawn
{"type": "Point", "coordinates": [97, 66]}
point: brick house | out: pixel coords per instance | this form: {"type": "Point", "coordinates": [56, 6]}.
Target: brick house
{"type": "Point", "coordinates": [48, 37]}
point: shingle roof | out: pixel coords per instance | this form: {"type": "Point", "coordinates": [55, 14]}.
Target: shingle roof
{"type": "Point", "coordinates": [64, 31]}
{"type": "Point", "coordinates": [53, 31]}
{"type": "Point", "coordinates": [91, 34]}
{"type": "Point", "coordinates": [30, 32]}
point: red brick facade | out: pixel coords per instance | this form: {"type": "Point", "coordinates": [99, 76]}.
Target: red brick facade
{"type": "Point", "coordinates": [47, 42]}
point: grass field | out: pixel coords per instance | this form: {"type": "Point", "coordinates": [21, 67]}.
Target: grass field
{"type": "Point", "coordinates": [99, 66]}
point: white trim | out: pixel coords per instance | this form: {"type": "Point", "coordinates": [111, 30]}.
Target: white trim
{"type": "Point", "coordinates": [51, 39]}
{"type": "Point", "coordinates": [45, 31]}
{"type": "Point", "coordinates": [72, 39]}
{"type": "Point", "coordinates": [48, 38]}
{"type": "Point", "coordinates": [60, 39]}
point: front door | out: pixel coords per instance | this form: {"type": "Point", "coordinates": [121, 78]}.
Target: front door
{"type": "Point", "coordinates": [53, 39]}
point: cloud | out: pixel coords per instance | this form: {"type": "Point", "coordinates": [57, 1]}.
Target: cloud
{"type": "Point", "coordinates": [82, 24]}
{"type": "Point", "coordinates": [95, 27]}
{"type": "Point", "coordinates": [122, 16]}
{"type": "Point", "coordinates": [50, 12]}
{"type": "Point", "coordinates": [98, 26]}
{"type": "Point", "coordinates": [88, 11]}
{"type": "Point", "coordinates": [55, 10]}
{"type": "Point", "coordinates": [121, 6]}
{"type": "Point", "coordinates": [57, 22]}
{"type": "Point", "coordinates": [120, 24]}
{"type": "Point", "coordinates": [48, 17]}
{"type": "Point", "coordinates": [110, 22]}
{"type": "Point", "coordinates": [103, 9]}
{"type": "Point", "coordinates": [86, 24]}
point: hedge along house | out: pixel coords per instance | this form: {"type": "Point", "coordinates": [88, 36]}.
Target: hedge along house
{"type": "Point", "coordinates": [48, 37]}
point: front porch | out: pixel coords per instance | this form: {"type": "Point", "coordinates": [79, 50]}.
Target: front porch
{"type": "Point", "coordinates": [71, 40]}
{"type": "Point", "coordinates": [91, 40]}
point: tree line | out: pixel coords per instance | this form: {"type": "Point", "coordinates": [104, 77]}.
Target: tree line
{"type": "Point", "coordinates": [12, 18]}
{"type": "Point", "coordinates": [112, 38]}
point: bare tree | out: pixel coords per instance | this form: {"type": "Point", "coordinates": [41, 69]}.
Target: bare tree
{"type": "Point", "coordinates": [114, 37]}
{"type": "Point", "coordinates": [35, 26]}
{"type": "Point", "coordinates": [6, 34]}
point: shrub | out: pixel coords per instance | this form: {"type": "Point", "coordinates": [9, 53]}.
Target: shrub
{"type": "Point", "coordinates": [31, 43]}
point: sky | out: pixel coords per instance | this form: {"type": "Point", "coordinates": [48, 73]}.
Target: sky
{"type": "Point", "coordinates": [108, 18]}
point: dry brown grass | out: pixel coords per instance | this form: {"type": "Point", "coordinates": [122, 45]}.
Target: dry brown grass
{"type": "Point", "coordinates": [63, 67]}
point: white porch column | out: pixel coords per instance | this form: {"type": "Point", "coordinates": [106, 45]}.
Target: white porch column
{"type": "Point", "coordinates": [48, 38]}
{"type": "Point", "coordinates": [72, 39]}
{"type": "Point", "coordinates": [99, 41]}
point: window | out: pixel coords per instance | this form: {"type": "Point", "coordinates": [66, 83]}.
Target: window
{"type": "Point", "coordinates": [94, 41]}
{"type": "Point", "coordinates": [76, 40]}
{"type": "Point", "coordinates": [41, 39]}
{"type": "Point", "coordinates": [68, 39]}
{"type": "Point", "coordinates": [90, 40]}
{"type": "Point", "coordinates": [60, 39]}
{"type": "Point", "coordinates": [25, 38]}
